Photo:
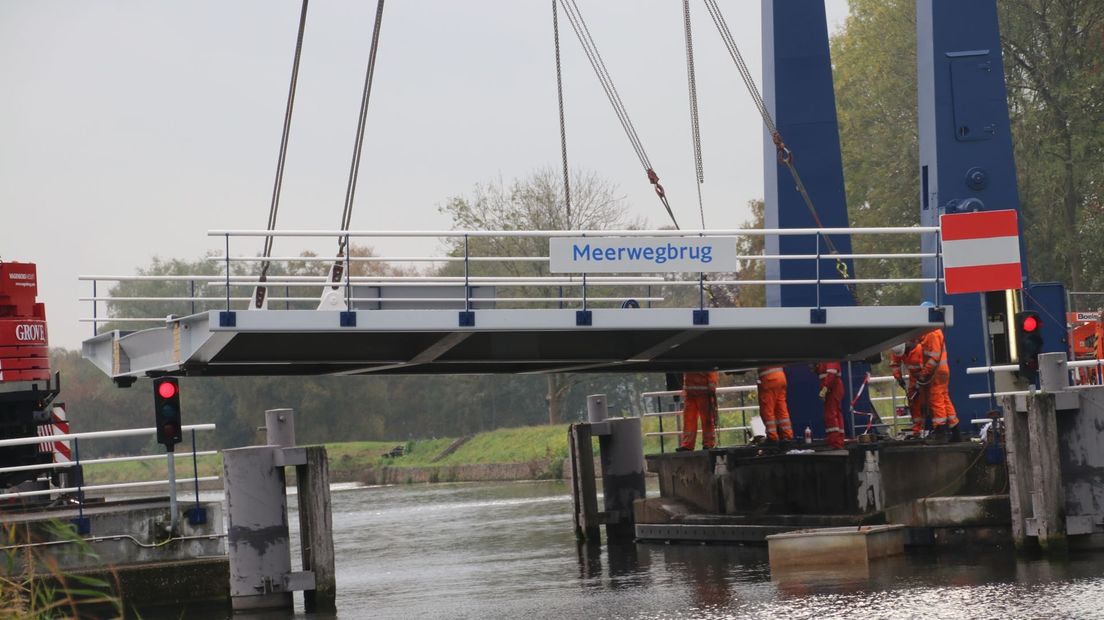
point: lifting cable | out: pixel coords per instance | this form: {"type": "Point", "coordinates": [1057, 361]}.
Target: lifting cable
{"type": "Point", "coordinates": [785, 156]}
{"type": "Point", "coordinates": [582, 31]}
{"type": "Point", "coordinates": [260, 293]}
{"type": "Point", "coordinates": [337, 271]}
{"type": "Point", "coordinates": [563, 125]}
{"type": "Point", "coordinates": [695, 124]}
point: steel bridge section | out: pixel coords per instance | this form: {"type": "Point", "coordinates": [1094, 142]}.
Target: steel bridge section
{"type": "Point", "coordinates": [397, 342]}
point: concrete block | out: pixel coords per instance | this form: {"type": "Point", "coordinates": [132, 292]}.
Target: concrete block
{"type": "Point", "coordinates": [969, 511]}
{"type": "Point", "coordinates": [833, 547]}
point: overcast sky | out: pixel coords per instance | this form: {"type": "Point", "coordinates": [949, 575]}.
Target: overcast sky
{"type": "Point", "coordinates": [128, 129]}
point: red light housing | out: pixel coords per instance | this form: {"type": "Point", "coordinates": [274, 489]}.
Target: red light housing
{"type": "Point", "coordinates": [166, 390]}
{"type": "Point", "coordinates": [1030, 324]}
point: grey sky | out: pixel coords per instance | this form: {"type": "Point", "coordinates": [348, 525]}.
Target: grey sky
{"type": "Point", "coordinates": [130, 128]}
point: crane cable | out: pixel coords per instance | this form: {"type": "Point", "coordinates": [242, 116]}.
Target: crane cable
{"type": "Point", "coordinates": [277, 185]}
{"type": "Point", "coordinates": [695, 124]}
{"type": "Point", "coordinates": [695, 138]}
{"type": "Point", "coordinates": [563, 124]}
{"type": "Point", "coordinates": [785, 156]}
{"type": "Point", "coordinates": [582, 32]}
{"type": "Point", "coordinates": [337, 271]}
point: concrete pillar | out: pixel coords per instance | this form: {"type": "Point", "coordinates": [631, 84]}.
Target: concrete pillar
{"type": "Point", "coordinates": [1048, 495]}
{"type": "Point", "coordinates": [280, 427]}
{"type": "Point", "coordinates": [622, 454]}
{"type": "Point", "coordinates": [257, 534]}
{"type": "Point", "coordinates": [316, 530]}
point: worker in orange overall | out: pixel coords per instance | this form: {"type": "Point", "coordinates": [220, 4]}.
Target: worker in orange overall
{"type": "Point", "coordinates": [934, 380]}
{"type": "Point", "coordinates": [831, 392]}
{"type": "Point", "coordinates": [699, 396]}
{"type": "Point", "coordinates": [908, 357]}
{"type": "Point", "coordinates": [772, 404]}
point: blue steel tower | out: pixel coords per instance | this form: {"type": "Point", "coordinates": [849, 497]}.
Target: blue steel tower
{"type": "Point", "coordinates": [966, 161]}
{"type": "Point", "coordinates": [798, 90]}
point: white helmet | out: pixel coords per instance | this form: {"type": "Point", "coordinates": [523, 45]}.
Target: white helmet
{"type": "Point", "coordinates": [899, 349]}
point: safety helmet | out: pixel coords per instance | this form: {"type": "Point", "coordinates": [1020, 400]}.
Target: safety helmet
{"type": "Point", "coordinates": [899, 349]}
{"type": "Point", "coordinates": [927, 304]}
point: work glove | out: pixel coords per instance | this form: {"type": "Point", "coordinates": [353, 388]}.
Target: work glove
{"type": "Point", "coordinates": [823, 393]}
{"type": "Point", "coordinates": [901, 382]}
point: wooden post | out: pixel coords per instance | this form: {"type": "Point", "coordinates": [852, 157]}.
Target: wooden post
{"type": "Point", "coordinates": [316, 530]}
{"type": "Point", "coordinates": [1018, 459]}
{"type": "Point", "coordinates": [584, 493]}
{"type": "Point", "coordinates": [1048, 495]}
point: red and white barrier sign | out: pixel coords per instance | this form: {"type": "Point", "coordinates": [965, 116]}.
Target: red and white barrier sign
{"type": "Point", "coordinates": [981, 252]}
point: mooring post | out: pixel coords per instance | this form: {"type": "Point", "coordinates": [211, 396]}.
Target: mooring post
{"type": "Point", "coordinates": [1018, 459]}
{"type": "Point", "coordinates": [1048, 495]}
{"type": "Point", "coordinates": [316, 530]}
{"type": "Point", "coordinates": [584, 493]}
{"type": "Point", "coordinates": [621, 449]}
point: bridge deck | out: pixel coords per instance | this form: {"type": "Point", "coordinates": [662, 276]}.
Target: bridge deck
{"type": "Point", "coordinates": [313, 342]}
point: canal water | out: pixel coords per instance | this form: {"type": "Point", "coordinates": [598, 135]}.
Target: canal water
{"type": "Point", "coordinates": [508, 551]}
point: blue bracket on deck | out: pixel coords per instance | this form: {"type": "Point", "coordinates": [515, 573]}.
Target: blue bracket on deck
{"type": "Point", "coordinates": [348, 318]}
{"type": "Point", "coordinates": [467, 319]}
{"type": "Point", "coordinates": [228, 319]}
{"type": "Point", "coordinates": [197, 515]}
{"type": "Point", "coordinates": [701, 317]}
{"type": "Point", "coordinates": [937, 315]}
{"type": "Point", "coordinates": [83, 525]}
{"type": "Point", "coordinates": [584, 318]}
{"type": "Point", "coordinates": [818, 316]}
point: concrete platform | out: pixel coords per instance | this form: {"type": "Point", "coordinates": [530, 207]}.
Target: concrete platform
{"type": "Point", "coordinates": [842, 546]}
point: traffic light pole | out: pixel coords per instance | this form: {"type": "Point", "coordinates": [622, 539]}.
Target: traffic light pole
{"type": "Point", "coordinates": [172, 490]}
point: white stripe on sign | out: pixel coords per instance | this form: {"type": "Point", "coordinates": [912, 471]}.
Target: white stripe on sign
{"type": "Point", "coordinates": [642, 254]}
{"type": "Point", "coordinates": [976, 252]}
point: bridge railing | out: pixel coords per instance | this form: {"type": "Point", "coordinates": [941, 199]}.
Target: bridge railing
{"type": "Point", "coordinates": [74, 487]}
{"type": "Point", "coordinates": [748, 428]}
{"type": "Point", "coordinates": [478, 269]}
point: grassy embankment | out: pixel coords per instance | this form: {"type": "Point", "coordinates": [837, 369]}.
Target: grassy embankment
{"type": "Point", "coordinates": [544, 447]}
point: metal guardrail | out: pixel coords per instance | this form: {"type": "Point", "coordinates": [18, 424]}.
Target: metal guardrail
{"type": "Point", "coordinates": [1072, 366]}
{"type": "Point", "coordinates": [80, 488]}
{"type": "Point", "coordinates": [575, 291]}
{"type": "Point", "coordinates": [893, 398]}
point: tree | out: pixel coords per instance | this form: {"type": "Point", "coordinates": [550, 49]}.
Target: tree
{"type": "Point", "coordinates": [535, 203]}
{"type": "Point", "coordinates": [1054, 55]}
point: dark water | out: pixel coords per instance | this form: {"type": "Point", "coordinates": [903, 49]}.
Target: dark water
{"type": "Point", "coordinates": [508, 551]}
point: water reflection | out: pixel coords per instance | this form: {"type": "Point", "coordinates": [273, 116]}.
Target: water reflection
{"type": "Point", "coordinates": [508, 551]}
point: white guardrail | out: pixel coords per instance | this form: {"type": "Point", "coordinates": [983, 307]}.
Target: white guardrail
{"type": "Point", "coordinates": [895, 396]}
{"type": "Point", "coordinates": [81, 489]}
{"type": "Point", "coordinates": [295, 282]}
{"type": "Point", "coordinates": [1097, 365]}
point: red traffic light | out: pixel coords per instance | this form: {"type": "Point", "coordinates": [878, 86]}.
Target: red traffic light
{"type": "Point", "coordinates": [1030, 324]}
{"type": "Point", "coordinates": [167, 389]}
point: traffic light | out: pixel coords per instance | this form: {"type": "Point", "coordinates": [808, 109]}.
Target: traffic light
{"type": "Point", "coordinates": [166, 409]}
{"type": "Point", "coordinates": [1029, 344]}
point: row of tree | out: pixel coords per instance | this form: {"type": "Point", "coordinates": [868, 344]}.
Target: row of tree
{"type": "Point", "coordinates": [1054, 54]}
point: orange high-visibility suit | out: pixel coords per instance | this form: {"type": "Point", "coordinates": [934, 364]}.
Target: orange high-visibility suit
{"type": "Point", "coordinates": [935, 379]}
{"type": "Point", "coordinates": [831, 392]}
{"type": "Point", "coordinates": [772, 403]}
{"type": "Point", "coordinates": [699, 393]}
{"type": "Point", "coordinates": [912, 362]}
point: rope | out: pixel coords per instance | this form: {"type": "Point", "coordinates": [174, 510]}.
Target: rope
{"type": "Point", "coordinates": [563, 125]}
{"type": "Point", "coordinates": [278, 184]}
{"type": "Point", "coordinates": [695, 124]}
{"type": "Point", "coordinates": [582, 32]}
{"type": "Point", "coordinates": [354, 168]}
{"type": "Point", "coordinates": [785, 156]}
